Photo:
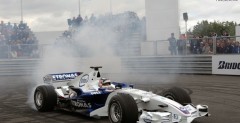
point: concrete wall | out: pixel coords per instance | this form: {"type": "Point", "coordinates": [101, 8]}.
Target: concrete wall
{"type": "Point", "coordinates": [162, 18]}
{"type": "Point", "coordinates": [148, 48]}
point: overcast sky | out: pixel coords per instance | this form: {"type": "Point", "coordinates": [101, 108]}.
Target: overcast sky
{"type": "Point", "coordinates": [52, 15]}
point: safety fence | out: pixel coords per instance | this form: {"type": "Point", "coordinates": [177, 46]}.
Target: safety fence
{"type": "Point", "coordinates": [134, 47]}
{"type": "Point", "coordinates": [168, 64]}
{"type": "Point", "coordinates": [200, 64]}
{"type": "Point", "coordinates": [18, 67]}
{"type": "Point", "coordinates": [188, 64]}
{"type": "Point", "coordinates": [193, 46]}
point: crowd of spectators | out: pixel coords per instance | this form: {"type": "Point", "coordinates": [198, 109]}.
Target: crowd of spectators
{"type": "Point", "coordinates": [65, 38]}
{"type": "Point", "coordinates": [75, 22]}
{"type": "Point", "coordinates": [123, 24]}
{"type": "Point", "coordinates": [225, 44]}
{"type": "Point", "coordinates": [74, 25]}
{"type": "Point", "coordinates": [177, 46]}
{"type": "Point", "coordinates": [195, 44]}
{"type": "Point", "coordinates": [17, 41]}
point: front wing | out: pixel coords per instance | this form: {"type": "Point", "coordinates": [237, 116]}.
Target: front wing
{"type": "Point", "coordinates": [157, 109]}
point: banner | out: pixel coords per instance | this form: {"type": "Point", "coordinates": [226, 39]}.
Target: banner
{"type": "Point", "coordinates": [226, 64]}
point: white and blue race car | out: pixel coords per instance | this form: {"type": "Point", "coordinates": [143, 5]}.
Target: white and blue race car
{"type": "Point", "coordinates": [94, 96]}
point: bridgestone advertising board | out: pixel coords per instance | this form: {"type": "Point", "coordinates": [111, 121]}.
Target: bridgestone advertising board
{"type": "Point", "coordinates": [226, 64]}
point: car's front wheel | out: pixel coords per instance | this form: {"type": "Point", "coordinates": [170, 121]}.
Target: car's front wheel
{"type": "Point", "coordinates": [177, 94]}
{"type": "Point", "coordinates": [122, 109]}
{"type": "Point", "coordinates": [45, 98]}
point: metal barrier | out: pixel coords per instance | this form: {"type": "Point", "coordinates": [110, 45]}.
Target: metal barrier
{"type": "Point", "coordinates": [18, 66]}
{"type": "Point", "coordinates": [153, 64]}
{"type": "Point", "coordinates": [168, 64]}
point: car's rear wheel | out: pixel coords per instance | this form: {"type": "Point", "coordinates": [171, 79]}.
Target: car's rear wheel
{"type": "Point", "coordinates": [45, 98]}
{"type": "Point", "coordinates": [122, 109]}
{"type": "Point", "coordinates": [177, 94]}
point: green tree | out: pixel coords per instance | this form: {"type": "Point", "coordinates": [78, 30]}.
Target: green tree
{"type": "Point", "coordinates": [205, 28]}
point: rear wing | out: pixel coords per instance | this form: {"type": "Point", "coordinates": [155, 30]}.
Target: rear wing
{"type": "Point", "coordinates": [60, 77]}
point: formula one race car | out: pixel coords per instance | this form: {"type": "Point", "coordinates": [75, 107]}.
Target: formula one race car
{"type": "Point", "coordinates": [94, 96]}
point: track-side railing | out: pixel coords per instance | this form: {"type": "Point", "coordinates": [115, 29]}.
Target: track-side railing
{"type": "Point", "coordinates": [143, 64]}
{"type": "Point", "coordinates": [18, 66]}
{"type": "Point", "coordinates": [168, 64]}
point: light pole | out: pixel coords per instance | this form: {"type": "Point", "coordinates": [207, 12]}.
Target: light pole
{"type": "Point", "coordinates": [110, 6]}
{"type": "Point", "coordinates": [21, 12]}
{"type": "Point", "coordinates": [79, 7]}
{"type": "Point", "coordinates": [185, 17]}
{"type": "Point", "coordinates": [186, 29]}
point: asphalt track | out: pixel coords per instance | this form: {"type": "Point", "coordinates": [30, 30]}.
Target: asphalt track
{"type": "Point", "coordinates": [220, 93]}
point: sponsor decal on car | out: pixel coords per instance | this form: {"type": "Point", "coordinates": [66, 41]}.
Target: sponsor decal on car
{"type": "Point", "coordinates": [81, 104]}
{"type": "Point", "coordinates": [184, 110]}
{"type": "Point", "coordinates": [95, 92]}
{"type": "Point", "coordinates": [64, 76]}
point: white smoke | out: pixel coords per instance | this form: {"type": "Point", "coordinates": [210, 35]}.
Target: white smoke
{"type": "Point", "coordinates": [93, 44]}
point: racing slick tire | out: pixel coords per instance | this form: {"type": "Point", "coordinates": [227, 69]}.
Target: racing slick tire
{"type": "Point", "coordinates": [177, 94]}
{"type": "Point", "coordinates": [122, 108]}
{"type": "Point", "coordinates": [45, 98]}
